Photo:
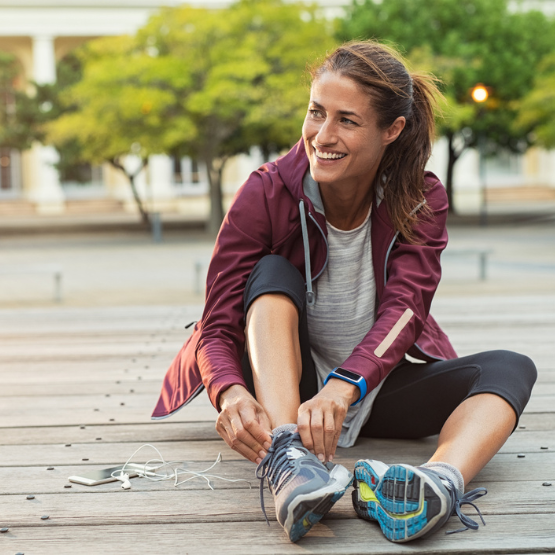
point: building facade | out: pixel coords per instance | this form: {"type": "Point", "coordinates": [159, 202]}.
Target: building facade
{"type": "Point", "coordinates": [41, 32]}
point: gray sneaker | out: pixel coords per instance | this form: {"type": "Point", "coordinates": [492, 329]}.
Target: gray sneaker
{"type": "Point", "coordinates": [304, 489]}
{"type": "Point", "coordinates": [409, 502]}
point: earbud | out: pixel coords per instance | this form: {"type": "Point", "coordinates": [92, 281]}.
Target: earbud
{"type": "Point", "coordinates": [124, 478]}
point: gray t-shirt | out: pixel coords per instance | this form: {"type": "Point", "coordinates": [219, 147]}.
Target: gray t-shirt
{"type": "Point", "coordinates": [344, 309]}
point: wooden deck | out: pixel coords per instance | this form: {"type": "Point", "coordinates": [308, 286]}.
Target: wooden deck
{"type": "Point", "coordinates": [76, 390]}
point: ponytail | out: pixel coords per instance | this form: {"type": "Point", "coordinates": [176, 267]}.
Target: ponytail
{"type": "Point", "coordinates": [393, 92]}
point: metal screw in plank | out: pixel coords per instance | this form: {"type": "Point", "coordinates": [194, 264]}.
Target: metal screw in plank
{"type": "Point", "coordinates": [546, 484]}
{"type": "Point", "coordinates": [544, 447]}
{"type": "Point", "coordinates": [44, 517]}
{"type": "Point", "coordinates": [30, 497]}
{"type": "Point", "coordinates": [4, 530]}
{"type": "Point", "coordinates": [521, 455]}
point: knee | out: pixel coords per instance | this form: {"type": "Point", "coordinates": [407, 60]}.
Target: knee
{"type": "Point", "coordinates": [274, 275]}
{"type": "Point", "coordinates": [273, 269]}
{"type": "Point", "coordinates": [518, 369]}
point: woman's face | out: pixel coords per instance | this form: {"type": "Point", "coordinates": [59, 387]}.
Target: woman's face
{"type": "Point", "coordinates": [341, 136]}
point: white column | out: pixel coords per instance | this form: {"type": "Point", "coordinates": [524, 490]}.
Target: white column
{"type": "Point", "coordinates": [45, 187]}
{"type": "Point", "coordinates": [160, 188]}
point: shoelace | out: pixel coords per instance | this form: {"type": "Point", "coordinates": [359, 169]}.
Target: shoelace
{"type": "Point", "coordinates": [466, 499]}
{"type": "Point", "coordinates": [276, 467]}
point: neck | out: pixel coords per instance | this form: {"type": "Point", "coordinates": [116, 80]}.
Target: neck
{"type": "Point", "coordinates": [346, 209]}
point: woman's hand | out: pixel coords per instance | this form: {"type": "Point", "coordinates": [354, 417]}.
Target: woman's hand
{"type": "Point", "coordinates": [243, 424]}
{"type": "Point", "coordinates": [321, 418]}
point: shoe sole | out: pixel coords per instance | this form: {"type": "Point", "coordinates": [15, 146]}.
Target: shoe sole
{"type": "Point", "coordinates": [306, 510]}
{"type": "Point", "coordinates": [405, 502]}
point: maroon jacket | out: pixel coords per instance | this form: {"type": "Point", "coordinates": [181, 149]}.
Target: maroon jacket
{"type": "Point", "coordinates": [264, 218]}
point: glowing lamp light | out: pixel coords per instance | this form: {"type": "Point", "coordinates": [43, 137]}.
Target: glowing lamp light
{"type": "Point", "coordinates": [479, 93]}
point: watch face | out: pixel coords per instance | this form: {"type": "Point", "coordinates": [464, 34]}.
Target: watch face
{"type": "Point", "coordinates": [347, 374]}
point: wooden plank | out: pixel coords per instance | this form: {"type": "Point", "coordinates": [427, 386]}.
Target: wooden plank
{"type": "Point", "coordinates": [60, 371]}
{"type": "Point", "coordinates": [62, 410]}
{"type": "Point", "coordinates": [103, 452]}
{"type": "Point", "coordinates": [522, 441]}
{"type": "Point", "coordinates": [227, 505]}
{"type": "Point", "coordinates": [83, 389]}
{"type": "Point", "coordinates": [93, 409]}
{"type": "Point", "coordinates": [22, 480]}
{"type": "Point", "coordinates": [503, 534]}
{"type": "Point", "coordinates": [111, 433]}
{"type": "Point", "coordinates": [537, 421]}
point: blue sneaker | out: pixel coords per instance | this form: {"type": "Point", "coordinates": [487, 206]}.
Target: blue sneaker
{"type": "Point", "coordinates": [304, 489]}
{"type": "Point", "coordinates": [409, 502]}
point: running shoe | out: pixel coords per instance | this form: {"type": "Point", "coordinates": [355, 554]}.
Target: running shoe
{"type": "Point", "coordinates": [304, 489]}
{"type": "Point", "coordinates": [409, 502]}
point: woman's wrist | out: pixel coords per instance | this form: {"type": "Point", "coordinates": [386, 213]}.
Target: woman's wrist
{"type": "Point", "coordinates": [346, 390]}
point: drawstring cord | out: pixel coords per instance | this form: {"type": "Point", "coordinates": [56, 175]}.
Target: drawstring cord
{"type": "Point", "coordinates": [310, 297]}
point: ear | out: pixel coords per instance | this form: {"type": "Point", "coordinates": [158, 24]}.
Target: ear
{"type": "Point", "coordinates": [394, 130]}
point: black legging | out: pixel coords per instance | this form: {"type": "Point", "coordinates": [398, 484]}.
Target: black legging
{"type": "Point", "coordinates": [416, 398]}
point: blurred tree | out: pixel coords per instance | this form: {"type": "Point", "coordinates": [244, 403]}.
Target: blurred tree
{"type": "Point", "coordinates": [239, 78]}
{"type": "Point", "coordinates": [537, 108]}
{"type": "Point", "coordinates": [208, 84]}
{"type": "Point", "coordinates": [15, 131]}
{"type": "Point", "coordinates": [464, 42]}
{"type": "Point", "coordinates": [118, 108]}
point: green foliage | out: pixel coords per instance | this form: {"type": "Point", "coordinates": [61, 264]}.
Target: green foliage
{"type": "Point", "coordinates": [464, 42]}
{"type": "Point", "coordinates": [468, 42]}
{"type": "Point", "coordinates": [16, 131]}
{"type": "Point", "coordinates": [209, 84]}
{"type": "Point", "coordinates": [117, 107]}
{"type": "Point", "coordinates": [537, 109]}
{"type": "Point", "coordinates": [241, 71]}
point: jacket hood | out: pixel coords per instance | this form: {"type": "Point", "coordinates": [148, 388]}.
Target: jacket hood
{"type": "Point", "coordinates": [292, 168]}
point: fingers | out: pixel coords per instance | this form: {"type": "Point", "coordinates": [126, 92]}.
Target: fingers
{"type": "Point", "coordinates": [245, 427]}
{"type": "Point", "coordinates": [319, 422]}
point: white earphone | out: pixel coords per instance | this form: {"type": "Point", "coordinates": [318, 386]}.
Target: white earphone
{"type": "Point", "coordinates": [124, 478]}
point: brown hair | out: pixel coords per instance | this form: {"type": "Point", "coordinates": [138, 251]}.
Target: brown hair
{"type": "Point", "coordinates": [380, 70]}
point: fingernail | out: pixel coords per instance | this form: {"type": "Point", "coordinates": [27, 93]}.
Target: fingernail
{"type": "Point", "coordinates": [258, 461]}
{"type": "Point", "coordinates": [262, 453]}
{"type": "Point", "coordinates": [331, 458]}
{"type": "Point", "coordinates": [266, 445]}
{"type": "Point", "coordinates": [321, 457]}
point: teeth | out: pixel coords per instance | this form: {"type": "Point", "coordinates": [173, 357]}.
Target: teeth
{"type": "Point", "coordinates": [328, 155]}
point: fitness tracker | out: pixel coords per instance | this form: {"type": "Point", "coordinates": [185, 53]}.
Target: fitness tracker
{"type": "Point", "coordinates": [351, 377]}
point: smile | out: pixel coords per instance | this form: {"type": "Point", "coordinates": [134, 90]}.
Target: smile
{"type": "Point", "coordinates": [328, 155]}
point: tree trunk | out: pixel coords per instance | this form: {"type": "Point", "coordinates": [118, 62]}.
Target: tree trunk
{"type": "Point", "coordinates": [131, 177]}
{"type": "Point", "coordinates": [144, 214]}
{"type": "Point", "coordinates": [215, 169]}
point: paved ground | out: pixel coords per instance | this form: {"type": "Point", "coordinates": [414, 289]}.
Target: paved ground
{"type": "Point", "coordinates": [127, 268]}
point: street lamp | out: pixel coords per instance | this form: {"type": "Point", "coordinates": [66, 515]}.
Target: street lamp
{"type": "Point", "coordinates": [480, 94]}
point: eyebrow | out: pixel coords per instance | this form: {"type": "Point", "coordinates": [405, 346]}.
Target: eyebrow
{"type": "Point", "coordinates": [342, 112]}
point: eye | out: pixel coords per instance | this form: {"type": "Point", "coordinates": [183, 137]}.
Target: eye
{"type": "Point", "coordinates": [315, 114]}
{"type": "Point", "coordinates": [348, 121]}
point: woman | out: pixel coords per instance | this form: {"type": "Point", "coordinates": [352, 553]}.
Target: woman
{"type": "Point", "coordinates": [321, 282]}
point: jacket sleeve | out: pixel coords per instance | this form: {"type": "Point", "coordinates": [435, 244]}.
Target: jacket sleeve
{"type": "Point", "coordinates": [414, 272]}
{"type": "Point", "coordinates": [244, 238]}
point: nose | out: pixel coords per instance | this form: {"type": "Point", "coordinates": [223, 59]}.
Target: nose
{"type": "Point", "coordinates": [326, 134]}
